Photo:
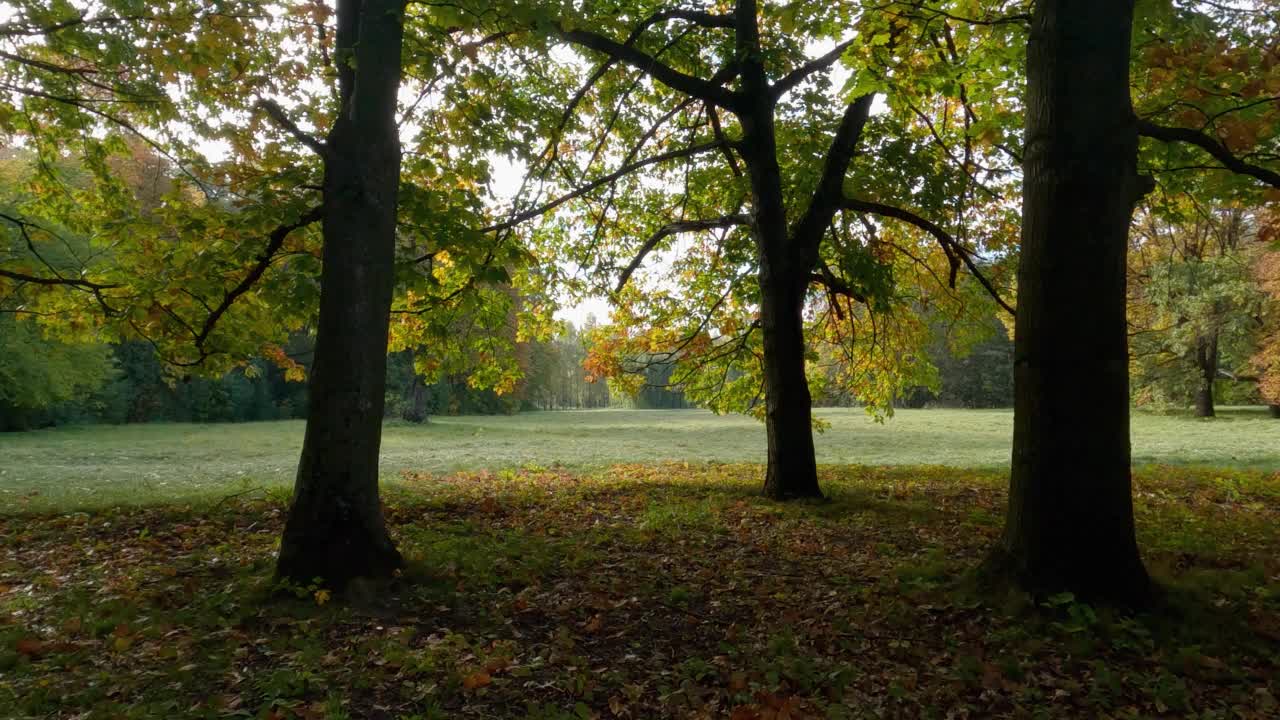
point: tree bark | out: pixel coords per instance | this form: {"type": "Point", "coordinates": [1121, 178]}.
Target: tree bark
{"type": "Point", "coordinates": [1070, 517]}
{"type": "Point", "coordinates": [1207, 364]}
{"type": "Point", "coordinates": [417, 410]}
{"type": "Point", "coordinates": [1275, 411]}
{"type": "Point", "coordinates": [784, 275]}
{"type": "Point", "coordinates": [792, 470]}
{"type": "Point", "coordinates": [335, 529]}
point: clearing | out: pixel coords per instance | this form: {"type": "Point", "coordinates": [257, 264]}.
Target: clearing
{"type": "Point", "coordinates": [93, 466]}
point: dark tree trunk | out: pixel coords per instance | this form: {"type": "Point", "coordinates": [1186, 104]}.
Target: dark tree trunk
{"type": "Point", "coordinates": [1070, 519]}
{"type": "Point", "coordinates": [335, 530]}
{"type": "Point", "coordinates": [1275, 411]}
{"type": "Point", "coordinates": [416, 412]}
{"type": "Point", "coordinates": [792, 470]}
{"type": "Point", "coordinates": [1207, 364]}
{"type": "Point", "coordinates": [784, 275]}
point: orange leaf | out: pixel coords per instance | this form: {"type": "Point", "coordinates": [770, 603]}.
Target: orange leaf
{"type": "Point", "coordinates": [476, 680]}
{"type": "Point", "coordinates": [31, 647]}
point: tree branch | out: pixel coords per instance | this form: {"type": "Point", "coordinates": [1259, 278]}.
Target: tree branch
{"type": "Point", "coordinates": [274, 244]}
{"type": "Point", "coordinates": [830, 191]}
{"type": "Point", "coordinates": [676, 228]}
{"type": "Point", "coordinates": [281, 119]}
{"type": "Point", "coordinates": [39, 280]}
{"type": "Point", "coordinates": [944, 238]}
{"type": "Point", "coordinates": [797, 76]}
{"type": "Point", "coordinates": [605, 180]}
{"type": "Point", "coordinates": [1210, 145]}
{"type": "Point", "coordinates": [688, 84]}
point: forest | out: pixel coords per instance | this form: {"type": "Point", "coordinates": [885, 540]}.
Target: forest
{"type": "Point", "coordinates": [939, 376]}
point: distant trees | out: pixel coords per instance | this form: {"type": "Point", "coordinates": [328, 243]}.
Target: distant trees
{"type": "Point", "coordinates": [556, 378]}
{"type": "Point", "coordinates": [37, 374]}
{"type": "Point", "coordinates": [1195, 308]}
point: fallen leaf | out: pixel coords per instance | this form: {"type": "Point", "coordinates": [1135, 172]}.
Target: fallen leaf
{"type": "Point", "coordinates": [476, 680]}
{"type": "Point", "coordinates": [32, 647]}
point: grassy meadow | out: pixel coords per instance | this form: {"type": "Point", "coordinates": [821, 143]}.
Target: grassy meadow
{"type": "Point", "coordinates": [100, 465]}
{"type": "Point", "coordinates": [619, 564]}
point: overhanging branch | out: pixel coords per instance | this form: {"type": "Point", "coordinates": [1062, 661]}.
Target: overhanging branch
{"type": "Point", "coordinates": [797, 76]}
{"type": "Point", "coordinates": [598, 182]}
{"type": "Point", "coordinates": [944, 238]}
{"type": "Point", "coordinates": [697, 87]}
{"type": "Point", "coordinates": [282, 120]}
{"type": "Point", "coordinates": [676, 228]}
{"type": "Point", "coordinates": [1210, 145]}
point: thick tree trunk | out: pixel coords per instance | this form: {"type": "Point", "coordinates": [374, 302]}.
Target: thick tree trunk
{"type": "Point", "coordinates": [792, 470]}
{"type": "Point", "coordinates": [1275, 411]}
{"type": "Point", "coordinates": [335, 530]}
{"type": "Point", "coordinates": [1207, 364]}
{"type": "Point", "coordinates": [784, 274]}
{"type": "Point", "coordinates": [1070, 519]}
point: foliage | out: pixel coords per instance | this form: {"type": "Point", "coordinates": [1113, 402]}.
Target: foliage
{"type": "Point", "coordinates": [648, 591]}
{"type": "Point", "coordinates": [1194, 302]}
{"type": "Point", "coordinates": [183, 161]}
{"type": "Point", "coordinates": [37, 373]}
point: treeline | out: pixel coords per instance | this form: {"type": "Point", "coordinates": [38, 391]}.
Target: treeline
{"type": "Point", "coordinates": [45, 382]}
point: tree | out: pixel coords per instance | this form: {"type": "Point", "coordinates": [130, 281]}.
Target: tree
{"type": "Point", "coordinates": [1194, 305]}
{"type": "Point", "coordinates": [1070, 520]}
{"type": "Point", "coordinates": [228, 263]}
{"type": "Point", "coordinates": [715, 124]}
{"type": "Point", "coordinates": [335, 529]}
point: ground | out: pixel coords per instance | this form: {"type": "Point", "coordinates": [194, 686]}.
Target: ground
{"type": "Point", "coordinates": [627, 589]}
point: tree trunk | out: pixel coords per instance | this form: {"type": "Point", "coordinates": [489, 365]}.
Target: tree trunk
{"type": "Point", "coordinates": [792, 470]}
{"type": "Point", "coordinates": [416, 412]}
{"type": "Point", "coordinates": [1070, 518]}
{"type": "Point", "coordinates": [335, 530]}
{"type": "Point", "coordinates": [1275, 411]}
{"type": "Point", "coordinates": [1207, 364]}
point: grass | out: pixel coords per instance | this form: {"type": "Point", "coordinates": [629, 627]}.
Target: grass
{"type": "Point", "coordinates": [94, 466]}
{"type": "Point", "coordinates": [641, 591]}
{"type": "Point", "coordinates": [612, 564]}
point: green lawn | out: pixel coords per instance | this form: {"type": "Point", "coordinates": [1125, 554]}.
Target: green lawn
{"type": "Point", "coordinates": [95, 465]}
{"type": "Point", "coordinates": [595, 581]}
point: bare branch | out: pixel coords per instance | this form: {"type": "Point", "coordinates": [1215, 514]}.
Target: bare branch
{"type": "Point", "coordinates": [677, 228]}
{"type": "Point", "coordinates": [705, 90]}
{"type": "Point", "coordinates": [797, 76]}
{"type": "Point", "coordinates": [598, 182]}
{"type": "Point", "coordinates": [697, 17]}
{"type": "Point", "coordinates": [281, 119]}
